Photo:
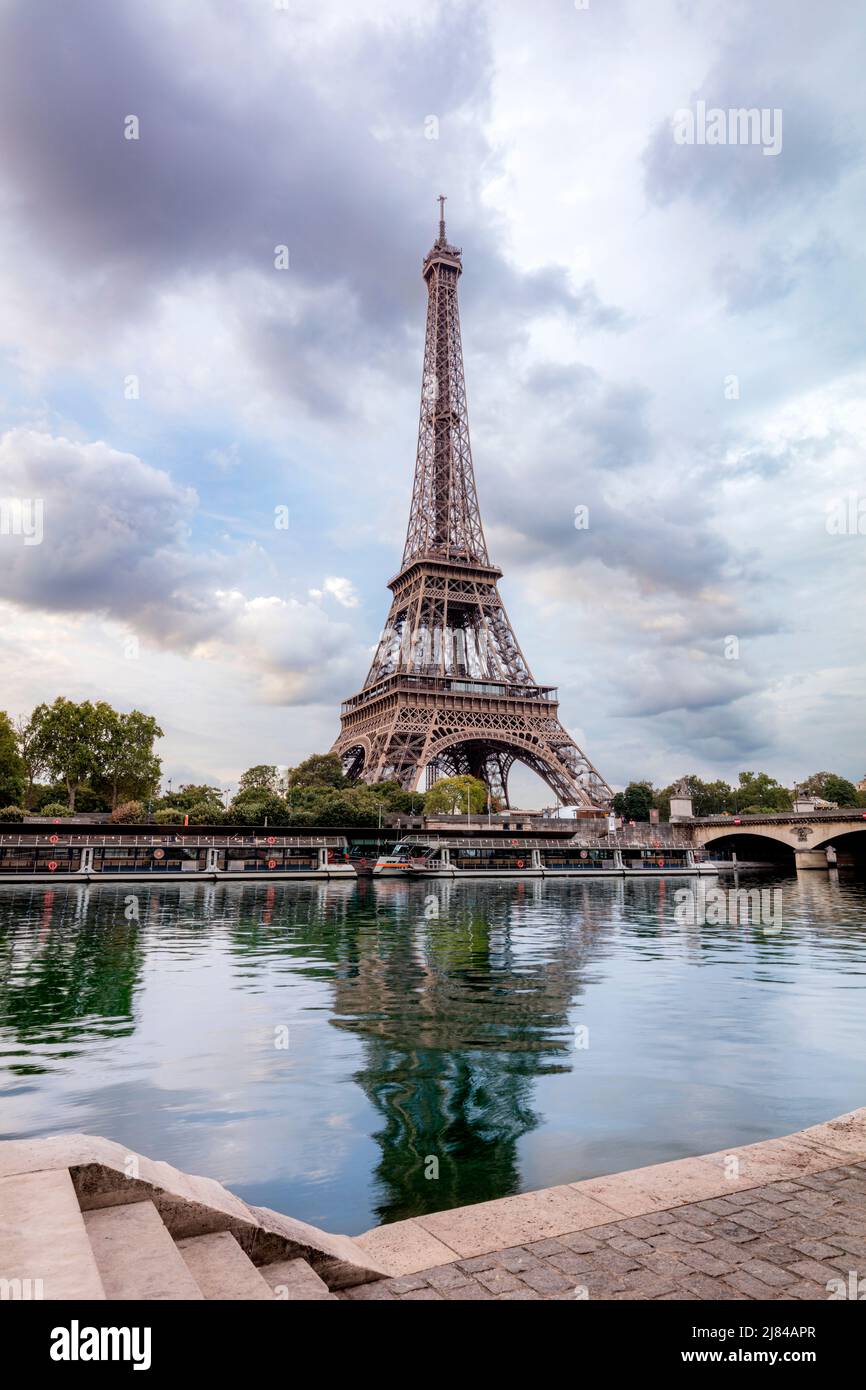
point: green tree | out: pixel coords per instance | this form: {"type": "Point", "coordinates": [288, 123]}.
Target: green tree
{"type": "Point", "coordinates": [13, 780]}
{"type": "Point", "coordinates": [193, 794]}
{"type": "Point", "coordinates": [708, 798]}
{"type": "Point", "coordinates": [32, 752]}
{"type": "Point", "coordinates": [257, 808]}
{"type": "Point", "coordinates": [264, 777]}
{"type": "Point", "coordinates": [635, 802]}
{"type": "Point", "coordinates": [70, 737]}
{"type": "Point", "coordinates": [759, 793]}
{"type": "Point", "coordinates": [396, 799]}
{"type": "Point", "coordinates": [129, 768]}
{"type": "Point", "coordinates": [831, 787]}
{"type": "Point", "coordinates": [449, 795]}
{"type": "Point", "coordinates": [319, 770]}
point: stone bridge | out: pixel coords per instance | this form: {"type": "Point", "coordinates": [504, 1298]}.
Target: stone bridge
{"type": "Point", "coordinates": [802, 839]}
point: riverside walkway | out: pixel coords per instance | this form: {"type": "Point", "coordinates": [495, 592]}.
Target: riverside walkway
{"type": "Point", "coordinates": [83, 1218]}
{"type": "Point", "coordinates": [782, 1220]}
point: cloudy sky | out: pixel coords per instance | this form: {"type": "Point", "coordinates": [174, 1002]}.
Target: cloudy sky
{"type": "Point", "coordinates": [669, 334]}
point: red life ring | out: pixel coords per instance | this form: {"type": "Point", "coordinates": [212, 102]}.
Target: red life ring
{"type": "Point", "coordinates": [52, 864]}
{"type": "Point", "coordinates": [52, 839]}
{"type": "Point", "coordinates": [272, 840]}
{"type": "Point", "coordinates": [520, 863]}
{"type": "Point", "coordinates": [661, 863]}
{"type": "Point", "coordinates": [272, 863]}
{"type": "Point", "coordinates": [514, 842]}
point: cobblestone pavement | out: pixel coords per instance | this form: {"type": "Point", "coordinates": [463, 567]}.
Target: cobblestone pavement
{"type": "Point", "coordinates": [785, 1240]}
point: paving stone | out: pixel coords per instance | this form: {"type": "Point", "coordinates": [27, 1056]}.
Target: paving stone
{"type": "Point", "coordinates": [642, 1226]}
{"type": "Point", "coordinates": [855, 1245]}
{"type": "Point", "coordinates": [773, 1251]}
{"type": "Point", "coordinates": [547, 1280]}
{"type": "Point", "coordinates": [645, 1284]}
{"type": "Point", "coordinates": [732, 1230]}
{"type": "Point", "coordinates": [380, 1292]}
{"type": "Point", "coordinates": [446, 1277]}
{"type": "Point", "coordinates": [706, 1264]}
{"type": "Point", "coordinates": [711, 1289]}
{"type": "Point", "coordinates": [728, 1250]}
{"type": "Point", "coordinates": [807, 1290]}
{"type": "Point", "coordinates": [819, 1249]}
{"type": "Point", "coordinates": [545, 1247]}
{"type": "Point", "coordinates": [717, 1205]}
{"type": "Point", "coordinates": [695, 1216]}
{"type": "Point", "coordinates": [571, 1263]}
{"type": "Point", "coordinates": [581, 1243]}
{"type": "Point", "coordinates": [811, 1269]}
{"type": "Point", "coordinates": [498, 1280]}
{"type": "Point", "coordinates": [748, 1284]}
{"type": "Point", "coordinates": [751, 1220]}
{"type": "Point", "coordinates": [612, 1262]}
{"type": "Point", "coordinates": [406, 1283]}
{"type": "Point", "coordinates": [773, 1275]}
{"type": "Point", "coordinates": [517, 1260]}
{"type": "Point", "coordinates": [692, 1235]}
{"type": "Point", "coordinates": [745, 1245]}
{"type": "Point", "coordinates": [478, 1262]}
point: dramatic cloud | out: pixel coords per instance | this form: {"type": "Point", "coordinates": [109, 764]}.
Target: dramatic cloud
{"type": "Point", "coordinates": [115, 540]}
{"type": "Point", "coordinates": [664, 344]}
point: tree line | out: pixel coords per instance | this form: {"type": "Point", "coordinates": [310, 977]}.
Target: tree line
{"type": "Point", "coordinates": [92, 756]}
{"type": "Point", "coordinates": [67, 757]}
{"type": "Point", "coordinates": [755, 793]}
{"type": "Point", "coordinates": [70, 757]}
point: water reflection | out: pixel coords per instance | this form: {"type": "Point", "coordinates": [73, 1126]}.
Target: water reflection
{"type": "Point", "coordinates": [433, 1057]}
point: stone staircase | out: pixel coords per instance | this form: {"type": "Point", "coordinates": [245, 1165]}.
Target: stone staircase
{"type": "Point", "coordinates": [83, 1218]}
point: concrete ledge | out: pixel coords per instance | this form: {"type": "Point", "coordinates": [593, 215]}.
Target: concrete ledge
{"type": "Point", "coordinates": [105, 1174]}
{"type": "Point", "coordinates": [43, 1241]}
{"type": "Point", "coordinates": [407, 1247]}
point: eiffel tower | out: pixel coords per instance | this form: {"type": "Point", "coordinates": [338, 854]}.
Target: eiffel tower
{"type": "Point", "coordinates": [449, 690]}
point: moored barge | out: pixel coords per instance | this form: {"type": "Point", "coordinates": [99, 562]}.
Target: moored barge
{"type": "Point", "coordinates": [54, 854]}
{"type": "Point", "coordinates": [418, 856]}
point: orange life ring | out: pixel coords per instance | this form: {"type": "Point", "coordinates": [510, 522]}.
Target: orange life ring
{"type": "Point", "coordinates": [52, 839]}
{"type": "Point", "coordinates": [159, 854]}
{"type": "Point", "coordinates": [661, 863]}
{"type": "Point", "coordinates": [52, 864]}
{"type": "Point", "coordinates": [272, 863]}
{"type": "Point", "coordinates": [520, 863]}
{"type": "Point", "coordinates": [272, 840]}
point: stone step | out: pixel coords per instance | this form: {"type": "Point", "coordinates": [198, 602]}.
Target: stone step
{"type": "Point", "coordinates": [43, 1239]}
{"type": "Point", "coordinates": [294, 1281]}
{"type": "Point", "coordinates": [221, 1269]}
{"type": "Point", "coordinates": [136, 1256]}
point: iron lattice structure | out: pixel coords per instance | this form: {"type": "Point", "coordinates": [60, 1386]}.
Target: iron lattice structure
{"type": "Point", "coordinates": [449, 691]}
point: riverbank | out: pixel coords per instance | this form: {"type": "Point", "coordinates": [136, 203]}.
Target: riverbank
{"type": "Point", "coordinates": [782, 1219]}
{"type": "Point", "coordinates": [82, 1218]}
